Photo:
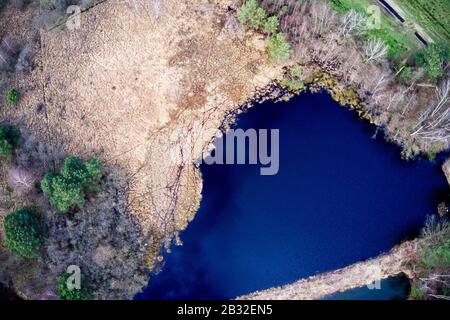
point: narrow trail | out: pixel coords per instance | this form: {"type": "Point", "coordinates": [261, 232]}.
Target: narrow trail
{"type": "Point", "coordinates": [402, 16]}
{"type": "Point", "coordinates": [356, 275]}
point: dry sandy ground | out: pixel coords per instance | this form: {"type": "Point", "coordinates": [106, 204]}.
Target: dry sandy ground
{"type": "Point", "coordinates": [143, 85]}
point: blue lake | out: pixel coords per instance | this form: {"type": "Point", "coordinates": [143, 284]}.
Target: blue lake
{"type": "Point", "coordinates": [393, 288]}
{"type": "Point", "coordinates": [340, 196]}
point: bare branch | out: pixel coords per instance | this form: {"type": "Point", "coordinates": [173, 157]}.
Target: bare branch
{"type": "Point", "coordinates": [375, 50]}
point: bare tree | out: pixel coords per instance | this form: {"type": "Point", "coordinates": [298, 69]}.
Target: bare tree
{"type": "Point", "coordinates": [323, 17]}
{"type": "Point", "coordinates": [375, 50]}
{"type": "Point", "coordinates": [393, 99]}
{"type": "Point", "coordinates": [353, 23]}
{"type": "Point", "coordinates": [434, 281]}
{"type": "Point", "coordinates": [434, 123]}
{"type": "Point", "coordinates": [8, 50]}
{"type": "Point", "coordinates": [21, 180]}
{"type": "Point", "coordinates": [379, 83]}
{"type": "Point", "coordinates": [435, 229]}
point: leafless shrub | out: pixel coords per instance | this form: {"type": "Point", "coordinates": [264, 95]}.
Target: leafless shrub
{"type": "Point", "coordinates": [35, 154]}
{"type": "Point", "coordinates": [375, 50]}
{"type": "Point", "coordinates": [21, 180]}
{"type": "Point", "coordinates": [24, 63]}
{"type": "Point", "coordinates": [434, 228]}
{"type": "Point", "coordinates": [353, 23]}
{"type": "Point", "coordinates": [434, 123]}
{"type": "Point", "coordinates": [379, 81]}
{"type": "Point", "coordinates": [234, 28]}
{"type": "Point", "coordinates": [431, 284]}
{"type": "Point", "coordinates": [8, 53]}
{"type": "Point", "coordinates": [323, 17]}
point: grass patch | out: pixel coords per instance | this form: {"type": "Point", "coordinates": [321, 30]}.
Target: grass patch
{"type": "Point", "coordinates": [417, 293]}
{"type": "Point", "coordinates": [401, 44]}
{"type": "Point", "coordinates": [432, 15]}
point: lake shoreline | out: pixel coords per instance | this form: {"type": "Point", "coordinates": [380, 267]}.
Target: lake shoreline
{"type": "Point", "coordinates": [273, 93]}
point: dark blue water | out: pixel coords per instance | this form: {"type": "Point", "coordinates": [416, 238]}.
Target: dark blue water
{"type": "Point", "coordinates": [339, 197]}
{"type": "Point", "coordinates": [393, 288]}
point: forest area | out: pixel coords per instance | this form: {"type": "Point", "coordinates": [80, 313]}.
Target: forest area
{"type": "Point", "coordinates": [371, 64]}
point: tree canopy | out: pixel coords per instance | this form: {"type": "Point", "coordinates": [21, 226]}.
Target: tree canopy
{"type": "Point", "coordinates": [279, 48]}
{"type": "Point", "coordinates": [9, 139]}
{"type": "Point", "coordinates": [432, 59]}
{"type": "Point", "coordinates": [69, 187]}
{"type": "Point", "coordinates": [24, 233]}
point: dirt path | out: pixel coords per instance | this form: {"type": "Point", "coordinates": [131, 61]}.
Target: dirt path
{"type": "Point", "coordinates": [353, 276]}
{"type": "Point", "coordinates": [407, 17]}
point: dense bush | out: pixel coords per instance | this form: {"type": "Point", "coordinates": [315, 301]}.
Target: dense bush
{"type": "Point", "coordinates": [432, 59]}
{"type": "Point", "coordinates": [12, 96]}
{"type": "Point", "coordinates": [69, 187]}
{"type": "Point", "coordinates": [417, 292]}
{"type": "Point", "coordinates": [405, 76]}
{"type": "Point", "coordinates": [279, 49]}
{"type": "Point", "coordinates": [64, 293]}
{"type": "Point", "coordinates": [252, 14]}
{"type": "Point", "coordinates": [292, 79]}
{"type": "Point", "coordinates": [24, 233]}
{"type": "Point", "coordinates": [271, 25]}
{"type": "Point", "coordinates": [256, 17]}
{"type": "Point", "coordinates": [9, 139]}
{"type": "Point", "coordinates": [431, 269]}
{"type": "Point", "coordinates": [437, 257]}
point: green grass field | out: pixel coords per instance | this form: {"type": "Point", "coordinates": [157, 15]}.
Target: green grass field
{"type": "Point", "coordinates": [402, 43]}
{"type": "Point", "coordinates": [432, 15]}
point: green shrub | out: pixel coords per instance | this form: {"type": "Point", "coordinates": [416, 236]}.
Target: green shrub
{"type": "Point", "coordinates": [69, 188]}
{"type": "Point", "coordinates": [279, 49]}
{"type": "Point", "coordinates": [271, 25]}
{"type": "Point", "coordinates": [417, 293]}
{"type": "Point", "coordinates": [432, 59]}
{"type": "Point", "coordinates": [24, 233]}
{"type": "Point", "coordinates": [256, 17]}
{"type": "Point", "coordinates": [9, 139]}
{"type": "Point", "coordinates": [431, 156]}
{"type": "Point", "coordinates": [252, 14]}
{"type": "Point", "coordinates": [12, 96]}
{"type": "Point", "coordinates": [64, 293]}
{"type": "Point", "coordinates": [292, 85]}
{"type": "Point", "coordinates": [292, 79]}
{"type": "Point", "coordinates": [405, 75]}
{"type": "Point", "coordinates": [437, 257]}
